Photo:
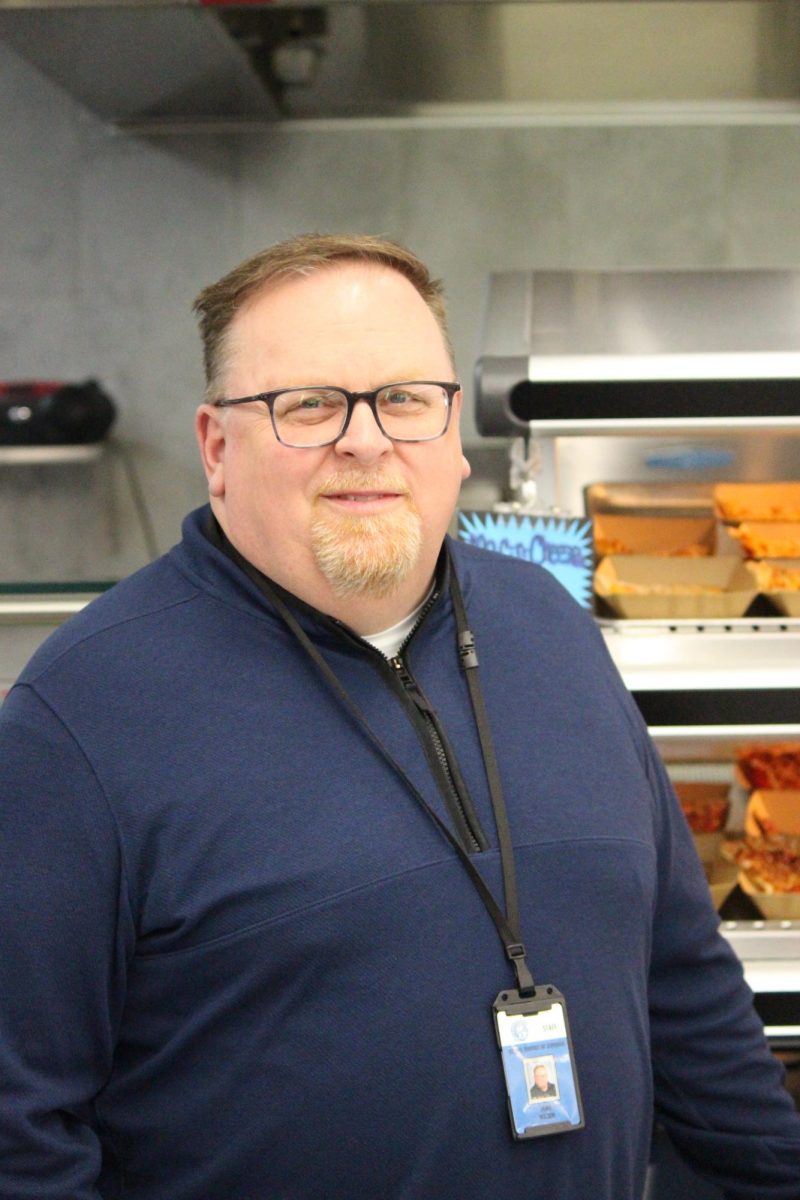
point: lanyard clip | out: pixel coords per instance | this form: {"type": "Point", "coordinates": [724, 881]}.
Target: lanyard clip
{"type": "Point", "coordinates": [466, 650]}
{"type": "Point", "coordinates": [525, 984]}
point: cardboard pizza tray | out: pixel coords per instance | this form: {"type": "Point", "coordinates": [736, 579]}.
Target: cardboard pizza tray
{"type": "Point", "coordinates": [731, 586]}
{"type": "Point", "coordinates": [689, 537]}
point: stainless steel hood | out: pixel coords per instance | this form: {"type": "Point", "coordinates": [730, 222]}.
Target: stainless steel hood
{"type": "Point", "coordinates": [130, 61]}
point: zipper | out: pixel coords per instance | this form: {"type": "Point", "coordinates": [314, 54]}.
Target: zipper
{"type": "Point", "coordinates": [421, 615]}
{"type": "Point", "coordinates": [440, 755]}
{"type": "Point", "coordinates": [451, 785]}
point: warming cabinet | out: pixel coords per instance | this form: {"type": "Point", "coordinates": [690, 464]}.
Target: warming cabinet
{"type": "Point", "coordinates": [631, 396]}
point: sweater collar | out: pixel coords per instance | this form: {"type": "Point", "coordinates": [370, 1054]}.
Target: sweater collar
{"type": "Point", "coordinates": [201, 528]}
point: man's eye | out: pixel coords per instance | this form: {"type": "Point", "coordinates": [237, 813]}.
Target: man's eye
{"type": "Point", "coordinates": [309, 404]}
{"type": "Point", "coordinates": [403, 399]}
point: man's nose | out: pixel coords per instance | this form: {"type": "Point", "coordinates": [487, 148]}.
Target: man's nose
{"type": "Point", "coordinates": [364, 438]}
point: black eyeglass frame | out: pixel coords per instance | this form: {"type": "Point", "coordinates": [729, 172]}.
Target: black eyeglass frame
{"type": "Point", "coordinates": [352, 398]}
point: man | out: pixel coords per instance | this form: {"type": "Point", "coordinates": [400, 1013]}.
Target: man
{"type": "Point", "coordinates": [258, 811]}
{"type": "Point", "coordinates": [541, 1087]}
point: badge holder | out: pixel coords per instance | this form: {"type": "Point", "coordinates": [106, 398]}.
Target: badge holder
{"type": "Point", "coordinates": [538, 1062]}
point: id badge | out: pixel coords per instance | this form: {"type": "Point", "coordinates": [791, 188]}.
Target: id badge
{"type": "Point", "coordinates": [538, 1062]}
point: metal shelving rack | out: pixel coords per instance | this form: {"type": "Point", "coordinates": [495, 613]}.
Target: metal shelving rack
{"type": "Point", "coordinates": [743, 669]}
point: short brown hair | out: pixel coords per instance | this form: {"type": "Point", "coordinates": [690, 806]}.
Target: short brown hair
{"type": "Point", "coordinates": [218, 304]}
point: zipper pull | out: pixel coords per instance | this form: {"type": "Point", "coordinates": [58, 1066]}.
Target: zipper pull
{"type": "Point", "coordinates": [408, 683]}
{"type": "Point", "coordinates": [402, 672]}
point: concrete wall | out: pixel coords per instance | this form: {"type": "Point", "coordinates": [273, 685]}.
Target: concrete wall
{"type": "Point", "coordinates": [106, 239]}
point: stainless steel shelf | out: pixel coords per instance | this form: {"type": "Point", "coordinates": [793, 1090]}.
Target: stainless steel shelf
{"type": "Point", "coordinates": [36, 456]}
{"type": "Point", "coordinates": [45, 610]}
{"type": "Point", "coordinates": [627, 626]}
{"type": "Point", "coordinates": [669, 426]}
{"type": "Point", "coordinates": [770, 955]}
{"type": "Point", "coordinates": [744, 673]}
{"type": "Point", "coordinates": [724, 654]}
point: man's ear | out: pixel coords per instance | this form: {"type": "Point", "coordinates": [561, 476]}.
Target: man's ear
{"type": "Point", "coordinates": [466, 469]}
{"type": "Point", "coordinates": [209, 426]}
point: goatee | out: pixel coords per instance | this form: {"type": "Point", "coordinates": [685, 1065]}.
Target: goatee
{"type": "Point", "coordinates": [370, 554]}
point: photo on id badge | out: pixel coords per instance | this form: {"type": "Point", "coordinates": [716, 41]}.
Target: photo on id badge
{"type": "Point", "coordinates": [543, 1096]}
{"type": "Point", "coordinates": [539, 1076]}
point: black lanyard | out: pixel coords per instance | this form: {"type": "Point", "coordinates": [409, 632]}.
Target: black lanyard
{"type": "Point", "coordinates": [469, 661]}
{"type": "Point", "coordinates": [506, 923]}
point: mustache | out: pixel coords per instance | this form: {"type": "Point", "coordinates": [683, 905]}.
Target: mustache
{"type": "Point", "coordinates": [361, 481]}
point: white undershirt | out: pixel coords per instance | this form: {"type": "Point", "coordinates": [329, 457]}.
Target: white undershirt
{"type": "Point", "coordinates": [389, 641]}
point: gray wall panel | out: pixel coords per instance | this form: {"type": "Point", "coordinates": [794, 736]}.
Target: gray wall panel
{"type": "Point", "coordinates": [106, 239]}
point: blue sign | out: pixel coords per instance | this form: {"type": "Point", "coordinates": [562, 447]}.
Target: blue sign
{"type": "Point", "coordinates": [562, 545]}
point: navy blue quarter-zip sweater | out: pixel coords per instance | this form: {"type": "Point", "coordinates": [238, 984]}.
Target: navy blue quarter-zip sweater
{"type": "Point", "coordinates": [239, 962]}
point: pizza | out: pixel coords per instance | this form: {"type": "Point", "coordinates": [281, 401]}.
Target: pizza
{"type": "Point", "coordinates": [605, 545]}
{"type": "Point", "coordinates": [758, 501]}
{"type": "Point", "coordinates": [705, 806]}
{"type": "Point", "coordinates": [768, 539]}
{"type": "Point", "coordinates": [776, 577]}
{"type": "Point", "coordinates": [774, 765]}
{"type": "Point", "coordinates": [770, 864]}
{"type": "Point", "coordinates": [624, 587]}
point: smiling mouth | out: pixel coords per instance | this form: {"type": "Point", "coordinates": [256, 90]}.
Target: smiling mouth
{"type": "Point", "coordinates": [361, 497]}
{"type": "Point", "coordinates": [362, 492]}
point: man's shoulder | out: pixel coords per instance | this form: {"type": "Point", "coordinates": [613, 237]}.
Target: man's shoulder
{"type": "Point", "coordinates": [505, 580]}
{"type": "Point", "coordinates": [491, 564]}
{"type": "Point", "coordinates": [136, 611]}
{"type": "Point", "coordinates": [111, 620]}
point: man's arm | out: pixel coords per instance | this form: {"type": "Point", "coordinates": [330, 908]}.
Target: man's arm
{"type": "Point", "coordinates": [65, 933]}
{"type": "Point", "coordinates": [718, 1088]}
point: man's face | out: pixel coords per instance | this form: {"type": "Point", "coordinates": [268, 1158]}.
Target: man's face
{"type": "Point", "coordinates": [540, 1078]}
{"type": "Point", "coordinates": [366, 508]}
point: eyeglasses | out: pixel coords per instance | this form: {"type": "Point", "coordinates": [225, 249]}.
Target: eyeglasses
{"type": "Point", "coordinates": [304, 417]}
